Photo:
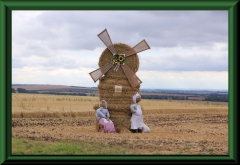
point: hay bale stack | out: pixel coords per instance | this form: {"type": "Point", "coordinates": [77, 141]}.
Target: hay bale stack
{"type": "Point", "coordinates": [118, 103]}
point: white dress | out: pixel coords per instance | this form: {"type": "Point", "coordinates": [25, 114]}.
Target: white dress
{"type": "Point", "coordinates": [137, 118]}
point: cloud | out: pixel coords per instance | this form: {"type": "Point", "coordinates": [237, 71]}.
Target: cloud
{"type": "Point", "coordinates": [183, 80]}
{"type": "Point", "coordinates": [54, 76]}
{"type": "Point", "coordinates": [63, 42]}
{"type": "Point", "coordinates": [79, 29]}
{"type": "Point", "coordinates": [182, 59]}
{"type": "Point", "coordinates": [59, 59]}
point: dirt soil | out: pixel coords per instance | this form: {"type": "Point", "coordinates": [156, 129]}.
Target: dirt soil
{"type": "Point", "coordinates": [171, 134]}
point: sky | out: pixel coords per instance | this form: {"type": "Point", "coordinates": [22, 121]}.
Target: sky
{"type": "Point", "coordinates": [188, 49]}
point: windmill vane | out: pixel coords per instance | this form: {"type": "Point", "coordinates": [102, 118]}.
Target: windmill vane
{"type": "Point", "coordinates": [119, 60]}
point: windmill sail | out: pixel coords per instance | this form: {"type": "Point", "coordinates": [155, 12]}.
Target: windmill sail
{"type": "Point", "coordinates": [104, 36]}
{"type": "Point", "coordinates": [96, 74]}
{"type": "Point", "coordinates": [141, 46]}
{"type": "Point", "coordinates": [132, 78]}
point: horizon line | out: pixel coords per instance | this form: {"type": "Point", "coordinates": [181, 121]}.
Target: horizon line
{"type": "Point", "coordinates": [148, 88]}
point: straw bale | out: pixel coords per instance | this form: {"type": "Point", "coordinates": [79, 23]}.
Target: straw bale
{"type": "Point", "coordinates": [113, 80]}
{"type": "Point", "coordinates": [115, 96]}
{"type": "Point", "coordinates": [118, 103]}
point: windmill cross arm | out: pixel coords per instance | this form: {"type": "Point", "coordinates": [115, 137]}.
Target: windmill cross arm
{"type": "Point", "coordinates": [141, 46]}
{"type": "Point", "coordinates": [132, 78]}
{"type": "Point", "coordinates": [96, 74]}
{"type": "Point", "coordinates": [104, 36]}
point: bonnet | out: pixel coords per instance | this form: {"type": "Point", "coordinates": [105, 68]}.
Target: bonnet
{"type": "Point", "coordinates": [135, 98]}
{"type": "Point", "coordinates": [104, 102]}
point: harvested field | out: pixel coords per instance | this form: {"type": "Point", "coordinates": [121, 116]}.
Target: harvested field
{"type": "Point", "coordinates": [192, 128]}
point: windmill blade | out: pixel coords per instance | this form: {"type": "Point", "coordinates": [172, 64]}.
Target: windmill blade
{"type": "Point", "coordinates": [132, 78]}
{"type": "Point", "coordinates": [96, 74]}
{"type": "Point", "coordinates": [141, 46]}
{"type": "Point", "coordinates": [104, 36]}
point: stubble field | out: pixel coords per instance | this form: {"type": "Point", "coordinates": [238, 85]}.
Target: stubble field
{"type": "Point", "coordinates": [177, 127]}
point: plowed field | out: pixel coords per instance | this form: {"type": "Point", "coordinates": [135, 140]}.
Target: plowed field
{"type": "Point", "coordinates": [202, 132]}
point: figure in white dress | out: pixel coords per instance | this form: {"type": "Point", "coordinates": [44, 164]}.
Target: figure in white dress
{"type": "Point", "coordinates": [137, 118]}
{"type": "Point", "coordinates": [137, 124]}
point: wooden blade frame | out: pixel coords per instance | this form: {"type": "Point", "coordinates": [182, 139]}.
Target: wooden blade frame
{"type": "Point", "coordinates": [141, 46]}
{"type": "Point", "coordinates": [104, 36]}
{"type": "Point", "coordinates": [132, 78]}
{"type": "Point", "coordinates": [96, 74]}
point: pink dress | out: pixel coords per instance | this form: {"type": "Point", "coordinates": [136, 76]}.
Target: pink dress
{"type": "Point", "coordinates": [108, 126]}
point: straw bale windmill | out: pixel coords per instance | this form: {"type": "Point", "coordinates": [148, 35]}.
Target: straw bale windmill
{"type": "Point", "coordinates": [118, 82]}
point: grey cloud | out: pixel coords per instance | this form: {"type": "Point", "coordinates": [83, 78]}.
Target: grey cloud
{"type": "Point", "coordinates": [54, 31]}
{"type": "Point", "coordinates": [26, 50]}
{"type": "Point", "coordinates": [71, 63]}
{"type": "Point", "coordinates": [175, 62]}
{"type": "Point", "coordinates": [159, 28]}
{"type": "Point", "coordinates": [58, 61]}
{"type": "Point", "coordinates": [17, 63]}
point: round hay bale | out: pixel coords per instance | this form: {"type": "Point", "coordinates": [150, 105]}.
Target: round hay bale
{"type": "Point", "coordinates": [118, 103]}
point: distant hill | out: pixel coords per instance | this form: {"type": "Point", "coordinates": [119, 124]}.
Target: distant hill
{"type": "Point", "coordinates": [55, 88]}
{"type": "Point", "coordinates": [198, 95]}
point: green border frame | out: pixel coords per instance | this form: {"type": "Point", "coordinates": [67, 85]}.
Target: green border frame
{"type": "Point", "coordinates": [6, 7]}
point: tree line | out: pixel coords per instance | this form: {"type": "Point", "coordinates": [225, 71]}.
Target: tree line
{"type": "Point", "coordinates": [210, 97]}
{"type": "Point", "coordinates": [22, 90]}
{"type": "Point", "coordinates": [215, 97]}
{"type": "Point", "coordinates": [164, 97]}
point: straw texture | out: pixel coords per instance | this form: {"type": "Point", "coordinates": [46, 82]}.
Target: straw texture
{"type": "Point", "coordinates": [118, 103]}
